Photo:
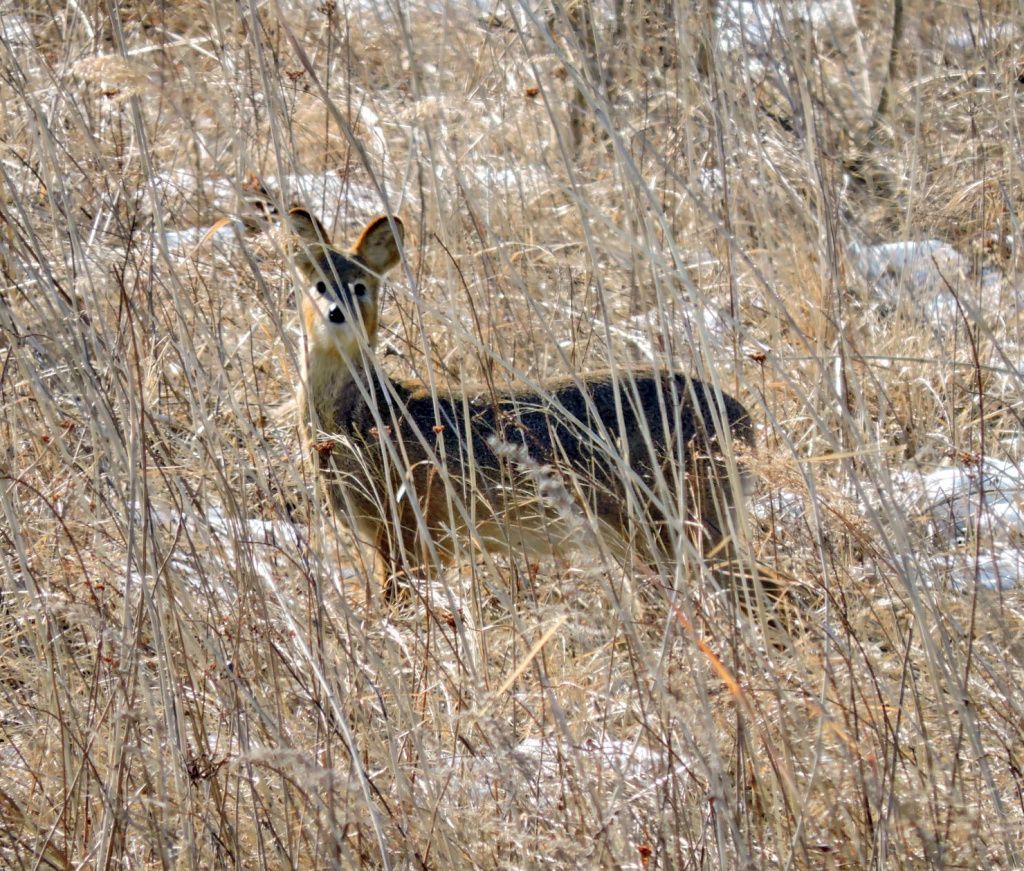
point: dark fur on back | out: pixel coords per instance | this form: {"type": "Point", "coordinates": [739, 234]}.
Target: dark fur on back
{"type": "Point", "coordinates": [581, 421]}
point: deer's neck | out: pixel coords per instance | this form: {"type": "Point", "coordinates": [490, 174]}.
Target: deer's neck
{"type": "Point", "coordinates": [340, 391]}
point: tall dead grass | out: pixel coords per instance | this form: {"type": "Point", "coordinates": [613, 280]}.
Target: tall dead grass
{"type": "Point", "coordinates": [185, 678]}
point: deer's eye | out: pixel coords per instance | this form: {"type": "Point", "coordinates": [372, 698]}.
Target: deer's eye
{"type": "Point", "coordinates": [321, 287]}
{"type": "Point", "coordinates": [359, 288]}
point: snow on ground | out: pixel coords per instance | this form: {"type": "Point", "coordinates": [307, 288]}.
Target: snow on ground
{"type": "Point", "coordinates": [540, 767]}
{"type": "Point", "coordinates": [978, 36]}
{"type": "Point", "coordinates": [644, 332]}
{"type": "Point", "coordinates": [974, 515]}
{"type": "Point", "coordinates": [928, 276]}
{"type": "Point", "coordinates": [990, 570]}
{"type": "Point", "coordinates": [749, 27]}
{"type": "Point", "coordinates": [214, 548]}
{"type": "Point", "coordinates": [926, 265]}
{"type": "Point", "coordinates": [186, 241]}
{"type": "Point", "coordinates": [925, 273]}
{"type": "Point", "coordinates": [15, 31]}
{"type": "Point", "coordinates": [530, 179]}
{"type": "Point", "coordinates": [959, 500]}
{"type": "Point", "coordinates": [781, 507]}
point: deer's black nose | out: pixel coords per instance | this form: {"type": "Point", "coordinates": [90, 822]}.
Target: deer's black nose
{"type": "Point", "coordinates": [335, 315]}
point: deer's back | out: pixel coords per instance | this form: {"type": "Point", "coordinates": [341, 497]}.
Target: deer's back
{"type": "Point", "coordinates": [586, 423]}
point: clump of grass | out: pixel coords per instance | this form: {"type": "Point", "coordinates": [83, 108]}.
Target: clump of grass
{"type": "Point", "coordinates": [186, 675]}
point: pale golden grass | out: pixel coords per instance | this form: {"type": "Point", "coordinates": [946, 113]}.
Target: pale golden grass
{"type": "Point", "coordinates": [190, 674]}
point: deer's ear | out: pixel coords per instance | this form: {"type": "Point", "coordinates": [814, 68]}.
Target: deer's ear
{"type": "Point", "coordinates": [307, 227]}
{"type": "Point", "coordinates": [378, 246]}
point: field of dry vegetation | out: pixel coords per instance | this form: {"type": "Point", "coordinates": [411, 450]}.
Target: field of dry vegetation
{"type": "Point", "coordinates": [816, 204]}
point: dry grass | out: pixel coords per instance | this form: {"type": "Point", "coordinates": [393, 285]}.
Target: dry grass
{"type": "Point", "coordinates": [186, 681]}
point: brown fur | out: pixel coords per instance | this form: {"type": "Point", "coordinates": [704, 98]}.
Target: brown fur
{"type": "Point", "coordinates": [417, 474]}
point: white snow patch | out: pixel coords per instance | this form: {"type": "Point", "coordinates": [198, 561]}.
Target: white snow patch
{"type": "Point", "coordinates": [918, 261]}
{"type": "Point", "coordinates": [745, 23]}
{"type": "Point", "coordinates": [15, 30]}
{"type": "Point", "coordinates": [931, 276]}
{"type": "Point", "coordinates": [251, 529]}
{"type": "Point", "coordinates": [185, 241]}
{"type": "Point", "coordinates": [975, 514]}
{"type": "Point", "coordinates": [974, 38]}
{"type": "Point", "coordinates": [627, 758]}
{"type": "Point", "coordinates": [968, 569]}
{"type": "Point", "coordinates": [782, 506]}
{"type": "Point", "coordinates": [756, 23]}
{"type": "Point", "coordinates": [643, 331]}
{"type": "Point", "coordinates": [528, 177]}
{"type": "Point", "coordinates": [960, 498]}
{"type": "Point", "coordinates": [712, 180]}
{"type": "Point", "coordinates": [1002, 570]}
{"type": "Point", "coordinates": [925, 271]}
{"type": "Point", "coordinates": [538, 766]}
{"type": "Point", "coordinates": [224, 544]}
